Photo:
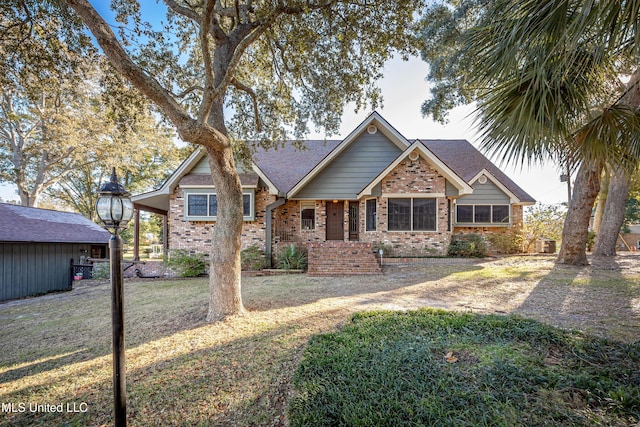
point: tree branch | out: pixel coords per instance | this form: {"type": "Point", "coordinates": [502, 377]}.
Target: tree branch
{"type": "Point", "coordinates": [241, 86]}
{"type": "Point", "coordinates": [189, 129]}
{"type": "Point", "coordinates": [207, 98]}
{"type": "Point", "coordinates": [181, 10]}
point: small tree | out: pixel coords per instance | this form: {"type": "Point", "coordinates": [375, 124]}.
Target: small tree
{"type": "Point", "coordinates": [543, 221]}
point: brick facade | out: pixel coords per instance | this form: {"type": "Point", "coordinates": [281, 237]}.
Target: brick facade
{"type": "Point", "coordinates": [409, 178]}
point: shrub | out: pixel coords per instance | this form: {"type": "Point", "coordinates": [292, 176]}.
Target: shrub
{"type": "Point", "coordinates": [101, 270]}
{"type": "Point", "coordinates": [252, 258]}
{"type": "Point", "coordinates": [187, 264]}
{"type": "Point", "coordinates": [506, 243]}
{"type": "Point", "coordinates": [467, 245]}
{"type": "Point", "coordinates": [292, 258]}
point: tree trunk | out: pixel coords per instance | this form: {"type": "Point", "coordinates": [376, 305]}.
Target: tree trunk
{"type": "Point", "coordinates": [225, 270]}
{"type": "Point", "coordinates": [613, 215]}
{"type": "Point", "coordinates": [576, 225]}
{"type": "Point", "coordinates": [601, 201]}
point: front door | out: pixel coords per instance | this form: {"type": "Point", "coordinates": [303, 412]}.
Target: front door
{"type": "Point", "coordinates": [353, 221]}
{"type": "Point", "coordinates": [335, 221]}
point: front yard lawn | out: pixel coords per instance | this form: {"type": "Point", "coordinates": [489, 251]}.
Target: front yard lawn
{"type": "Point", "coordinates": [432, 367]}
{"type": "Point", "coordinates": [56, 350]}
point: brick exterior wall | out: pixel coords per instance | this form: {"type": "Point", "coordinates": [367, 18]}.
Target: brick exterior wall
{"type": "Point", "coordinates": [409, 177]}
{"type": "Point", "coordinates": [195, 236]}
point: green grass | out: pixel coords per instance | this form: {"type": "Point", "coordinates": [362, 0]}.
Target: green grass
{"type": "Point", "coordinates": [431, 367]}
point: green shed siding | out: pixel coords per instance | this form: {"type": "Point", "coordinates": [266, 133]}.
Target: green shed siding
{"type": "Point", "coordinates": [36, 268]}
{"type": "Point", "coordinates": [485, 194]}
{"type": "Point", "coordinates": [353, 169]}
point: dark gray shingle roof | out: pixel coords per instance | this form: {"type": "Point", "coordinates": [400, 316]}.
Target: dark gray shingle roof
{"type": "Point", "coordinates": [287, 165]}
{"type": "Point", "coordinates": [465, 160]}
{"type": "Point", "coordinates": [24, 224]}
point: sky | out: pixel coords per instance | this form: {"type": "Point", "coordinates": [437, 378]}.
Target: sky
{"type": "Point", "coordinates": [404, 89]}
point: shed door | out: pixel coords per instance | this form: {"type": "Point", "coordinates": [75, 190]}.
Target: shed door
{"type": "Point", "coordinates": [335, 221]}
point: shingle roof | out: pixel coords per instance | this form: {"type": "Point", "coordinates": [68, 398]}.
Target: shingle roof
{"type": "Point", "coordinates": [467, 161]}
{"type": "Point", "coordinates": [287, 165]}
{"type": "Point", "coordinates": [246, 179]}
{"type": "Point", "coordinates": [24, 224]}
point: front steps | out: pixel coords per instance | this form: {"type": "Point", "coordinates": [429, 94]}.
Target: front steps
{"type": "Point", "coordinates": [338, 258]}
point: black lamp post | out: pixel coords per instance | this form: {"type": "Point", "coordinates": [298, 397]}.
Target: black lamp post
{"type": "Point", "coordinates": [115, 209]}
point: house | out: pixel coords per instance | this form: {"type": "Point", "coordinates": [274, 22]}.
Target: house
{"type": "Point", "coordinates": [345, 198]}
{"type": "Point", "coordinates": [37, 247]}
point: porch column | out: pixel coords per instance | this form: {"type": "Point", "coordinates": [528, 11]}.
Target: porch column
{"type": "Point", "coordinates": [165, 236]}
{"type": "Point", "coordinates": [136, 234]}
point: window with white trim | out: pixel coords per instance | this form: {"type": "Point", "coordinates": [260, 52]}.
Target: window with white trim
{"type": "Point", "coordinates": [307, 215]}
{"type": "Point", "coordinates": [483, 214]}
{"type": "Point", "coordinates": [412, 214]}
{"type": "Point", "coordinates": [202, 205]}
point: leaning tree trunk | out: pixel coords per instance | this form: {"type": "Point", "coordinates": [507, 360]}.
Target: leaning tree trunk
{"type": "Point", "coordinates": [613, 215]}
{"type": "Point", "coordinates": [225, 270]}
{"type": "Point", "coordinates": [576, 225]}
{"type": "Point", "coordinates": [601, 200]}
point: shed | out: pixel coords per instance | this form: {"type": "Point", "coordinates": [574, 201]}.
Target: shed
{"type": "Point", "coordinates": [37, 247]}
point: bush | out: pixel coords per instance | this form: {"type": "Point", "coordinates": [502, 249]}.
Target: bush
{"type": "Point", "coordinates": [292, 258]}
{"type": "Point", "coordinates": [467, 245]}
{"type": "Point", "coordinates": [187, 264]}
{"type": "Point", "coordinates": [507, 243]}
{"type": "Point", "coordinates": [252, 258]}
{"type": "Point", "coordinates": [101, 270]}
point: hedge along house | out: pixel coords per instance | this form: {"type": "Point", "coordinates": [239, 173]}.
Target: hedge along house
{"type": "Point", "coordinates": [343, 199]}
{"type": "Point", "coordinates": [37, 246]}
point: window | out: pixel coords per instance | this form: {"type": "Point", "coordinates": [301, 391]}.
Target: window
{"type": "Point", "coordinates": [412, 214]}
{"type": "Point", "coordinates": [371, 215]}
{"type": "Point", "coordinates": [203, 206]}
{"type": "Point", "coordinates": [482, 214]}
{"type": "Point", "coordinates": [308, 215]}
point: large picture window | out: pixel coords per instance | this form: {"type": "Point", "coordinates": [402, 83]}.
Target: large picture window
{"type": "Point", "coordinates": [483, 214]}
{"type": "Point", "coordinates": [412, 214]}
{"type": "Point", "coordinates": [203, 206]}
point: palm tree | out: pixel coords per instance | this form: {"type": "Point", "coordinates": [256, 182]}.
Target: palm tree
{"type": "Point", "coordinates": [549, 78]}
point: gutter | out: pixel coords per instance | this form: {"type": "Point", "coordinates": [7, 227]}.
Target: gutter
{"type": "Point", "coordinates": [269, 214]}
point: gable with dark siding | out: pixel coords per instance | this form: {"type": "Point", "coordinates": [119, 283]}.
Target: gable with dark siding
{"type": "Point", "coordinates": [352, 169]}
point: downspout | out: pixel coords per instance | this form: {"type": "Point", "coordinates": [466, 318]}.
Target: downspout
{"type": "Point", "coordinates": [269, 214]}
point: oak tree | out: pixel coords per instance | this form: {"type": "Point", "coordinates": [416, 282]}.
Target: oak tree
{"type": "Point", "coordinates": [224, 72]}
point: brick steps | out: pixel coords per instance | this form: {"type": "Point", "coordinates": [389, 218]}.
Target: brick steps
{"type": "Point", "coordinates": [336, 258]}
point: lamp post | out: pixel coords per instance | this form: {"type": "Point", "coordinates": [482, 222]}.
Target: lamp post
{"type": "Point", "coordinates": [115, 209]}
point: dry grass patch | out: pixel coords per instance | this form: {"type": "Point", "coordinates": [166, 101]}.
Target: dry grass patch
{"type": "Point", "coordinates": [182, 371]}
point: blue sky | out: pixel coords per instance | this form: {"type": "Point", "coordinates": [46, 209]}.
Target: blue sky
{"type": "Point", "coordinates": [404, 90]}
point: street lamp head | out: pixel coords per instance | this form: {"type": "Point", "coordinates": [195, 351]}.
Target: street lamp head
{"type": "Point", "coordinates": [114, 206]}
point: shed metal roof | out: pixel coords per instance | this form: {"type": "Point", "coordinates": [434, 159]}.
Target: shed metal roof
{"type": "Point", "coordinates": [25, 224]}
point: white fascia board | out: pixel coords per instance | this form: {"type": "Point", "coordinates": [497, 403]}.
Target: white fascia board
{"type": "Point", "coordinates": [272, 188]}
{"type": "Point", "coordinates": [512, 197]}
{"type": "Point", "coordinates": [374, 118]}
{"type": "Point", "coordinates": [457, 181]}
{"type": "Point", "coordinates": [172, 182]}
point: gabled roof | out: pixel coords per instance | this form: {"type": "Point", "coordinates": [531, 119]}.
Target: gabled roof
{"type": "Point", "coordinates": [468, 162]}
{"type": "Point", "coordinates": [374, 119]}
{"type": "Point", "coordinates": [287, 165]}
{"type": "Point", "coordinates": [420, 149]}
{"type": "Point", "coordinates": [24, 224]}
{"type": "Point", "coordinates": [287, 170]}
